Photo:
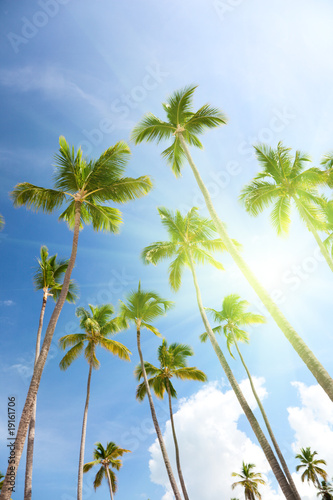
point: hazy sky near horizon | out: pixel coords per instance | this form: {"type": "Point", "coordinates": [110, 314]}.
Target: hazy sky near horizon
{"type": "Point", "coordinates": [89, 71]}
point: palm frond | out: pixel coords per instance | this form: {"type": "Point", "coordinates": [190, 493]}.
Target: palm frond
{"type": "Point", "coordinates": [258, 195]}
{"type": "Point", "coordinates": [121, 190]}
{"type": "Point", "coordinates": [108, 168]}
{"type": "Point", "coordinates": [116, 348]}
{"type": "Point", "coordinates": [280, 215]}
{"type": "Point", "coordinates": [37, 198]}
{"type": "Point", "coordinates": [205, 118]}
{"type": "Point", "coordinates": [175, 156]}
{"type": "Point", "coordinates": [158, 251]}
{"type": "Point", "coordinates": [104, 218]}
{"type": "Point", "coordinates": [71, 355]}
{"type": "Point", "coordinates": [151, 128]}
{"type": "Point", "coordinates": [175, 271]}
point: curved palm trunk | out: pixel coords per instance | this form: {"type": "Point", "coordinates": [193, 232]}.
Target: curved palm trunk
{"type": "Point", "coordinates": [284, 485]}
{"type": "Point", "coordinates": [109, 481]}
{"type": "Point", "coordinates": [317, 370]}
{"type": "Point", "coordinates": [83, 438]}
{"type": "Point", "coordinates": [180, 473]}
{"type": "Point", "coordinates": [312, 229]}
{"type": "Point", "coordinates": [156, 425]}
{"type": "Point", "coordinates": [32, 425]}
{"type": "Point", "coordinates": [269, 429]}
{"type": "Point", "coordinates": [38, 370]}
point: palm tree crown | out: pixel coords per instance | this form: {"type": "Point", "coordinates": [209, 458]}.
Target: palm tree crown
{"type": "Point", "coordinates": [92, 183]}
{"type": "Point", "coordinates": [107, 458]}
{"type": "Point", "coordinates": [141, 308]}
{"type": "Point", "coordinates": [97, 326]}
{"type": "Point", "coordinates": [311, 466]}
{"type": "Point", "coordinates": [233, 316]}
{"type": "Point", "coordinates": [325, 490]}
{"type": "Point", "coordinates": [249, 480]}
{"type": "Point", "coordinates": [49, 276]}
{"type": "Point", "coordinates": [191, 236]}
{"type": "Point", "coordinates": [180, 118]}
{"type": "Point", "coordinates": [283, 178]}
{"type": "Point", "coordinates": [173, 363]}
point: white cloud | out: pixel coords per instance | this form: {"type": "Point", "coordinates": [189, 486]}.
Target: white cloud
{"type": "Point", "coordinates": [313, 426]}
{"type": "Point", "coordinates": [51, 81]}
{"type": "Point", "coordinates": [211, 444]}
{"type": "Point", "coordinates": [7, 303]}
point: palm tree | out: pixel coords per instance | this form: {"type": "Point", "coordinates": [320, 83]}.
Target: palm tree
{"type": "Point", "coordinates": [183, 126]}
{"type": "Point", "coordinates": [173, 363]}
{"type": "Point", "coordinates": [85, 186]}
{"type": "Point", "coordinates": [325, 490]}
{"type": "Point", "coordinates": [282, 180]}
{"type": "Point", "coordinates": [48, 278]}
{"type": "Point", "coordinates": [311, 466]}
{"type": "Point", "coordinates": [234, 316]}
{"type": "Point", "coordinates": [97, 326]}
{"type": "Point", "coordinates": [191, 241]}
{"type": "Point", "coordinates": [249, 481]}
{"type": "Point", "coordinates": [141, 308]}
{"type": "Point", "coordinates": [107, 458]}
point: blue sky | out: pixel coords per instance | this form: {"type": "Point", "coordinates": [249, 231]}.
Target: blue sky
{"type": "Point", "coordinates": [89, 71]}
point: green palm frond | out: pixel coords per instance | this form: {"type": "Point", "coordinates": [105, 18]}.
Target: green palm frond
{"type": "Point", "coordinates": [204, 336]}
{"type": "Point", "coordinates": [68, 167]}
{"type": "Point", "coordinates": [90, 465]}
{"type": "Point", "coordinates": [258, 195]}
{"type": "Point", "coordinates": [116, 348]}
{"type": "Point", "coordinates": [2, 222]}
{"type": "Point", "coordinates": [104, 218]}
{"type": "Point", "coordinates": [200, 256]}
{"type": "Point", "coordinates": [175, 156]}
{"type": "Point", "coordinates": [175, 271]}
{"type": "Point", "coordinates": [71, 355]}
{"type": "Point", "coordinates": [327, 160]}
{"type": "Point", "coordinates": [190, 373]}
{"type": "Point", "coordinates": [37, 198]}
{"type": "Point", "coordinates": [280, 215]}
{"type": "Point", "coordinates": [99, 478]}
{"type": "Point", "coordinates": [205, 118]}
{"type": "Point", "coordinates": [158, 251]}
{"type": "Point", "coordinates": [122, 190]}
{"type": "Point", "coordinates": [152, 128]}
{"type": "Point", "coordinates": [179, 105]}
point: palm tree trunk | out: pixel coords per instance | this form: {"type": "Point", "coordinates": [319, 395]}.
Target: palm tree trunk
{"type": "Point", "coordinates": [38, 370]}
{"type": "Point", "coordinates": [156, 425]}
{"type": "Point", "coordinates": [312, 229]}
{"type": "Point", "coordinates": [264, 416]}
{"type": "Point", "coordinates": [284, 485]}
{"type": "Point", "coordinates": [318, 371]}
{"type": "Point", "coordinates": [83, 438]}
{"type": "Point", "coordinates": [109, 481]}
{"type": "Point", "coordinates": [180, 473]}
{"type": "Point", "coordinates": [32, 425]}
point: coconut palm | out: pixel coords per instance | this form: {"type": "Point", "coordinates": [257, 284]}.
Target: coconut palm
{"type": "Point", "coordinates": [325, 490]}
{"type": "Point", "coordinates": [311, 466]}
{"type": "Point", "coordinates": [233, 317]}
{"type": "Point", "coordinates": [97, 325]}
{"type": "Point", "coordinates": [48, 278]}
{"type": "Point", "coordinates": [283, 180]}
{"type": "Point", "coordinates": [191, 242]}
{"type": "Point", "coordinates": [173, 363]}
{"type": "Point", "coordinates": [85, 187]}
{"type": "Point", "coordinates": [249, 480]}
{"type": "Point", "coordinates": [107, 458]}
{"type": "Point", "coordinates": [141, 308]}
{"type": "Point", "coordinates": [182, 127]}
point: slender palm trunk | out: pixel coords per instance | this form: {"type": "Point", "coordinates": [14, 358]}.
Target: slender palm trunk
{"type": "Point", "coordinates": [32, 425]}
{"type": "Point", "coordinates": [83, 438]}
{"type": "Point", "coordinates": [269, 429]}
{"type": "Point", "coordinates": [109, 481]}
{"type": "Point", "coordinates": [312, 229]}
{"type": "Point", "coordinates": [156, 425]}
{"type": "Point", "coordinates": [180, 473]}
{"type": "Point", "coordinates": [27, 412]}
{"type": "Point", "coordinates": [284, 485]}
{"type": "Point", "coordinates": [296, 341]}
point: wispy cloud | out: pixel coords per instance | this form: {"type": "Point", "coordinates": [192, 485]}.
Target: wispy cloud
{"type": "Point", "coordinates": [49, 80]}
{"type": "Point", "coordinates": [7, 303]}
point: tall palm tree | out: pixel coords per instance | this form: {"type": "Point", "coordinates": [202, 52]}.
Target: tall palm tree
{"type": "Point", "coordinates": [85, 187]}
{"type": "Point", "coordinates": [325, 490]}
{"type": "Point", "coordinates": [182, 126]}
{"type": "Point", "coordinates": [97, 325]}
{"type": "Point", "coordinates": [311, 466]}
{"type": "Point", "coordinates": [234, 316]}
{"type": "Point", "coordinates": [141, 308]}
{"type": "Point", "coordinates": [48, 278]}
{"type": "Point", "coordinates": [249, 480]}
{"type": "Point", "coordinates": [173, 363]}
{"type": "Point", "coordinates": [282, 180]}
{"type": "Point", "coordinates": [191, 241]}
{"type": "Point", "coordinates": [106, 458]}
